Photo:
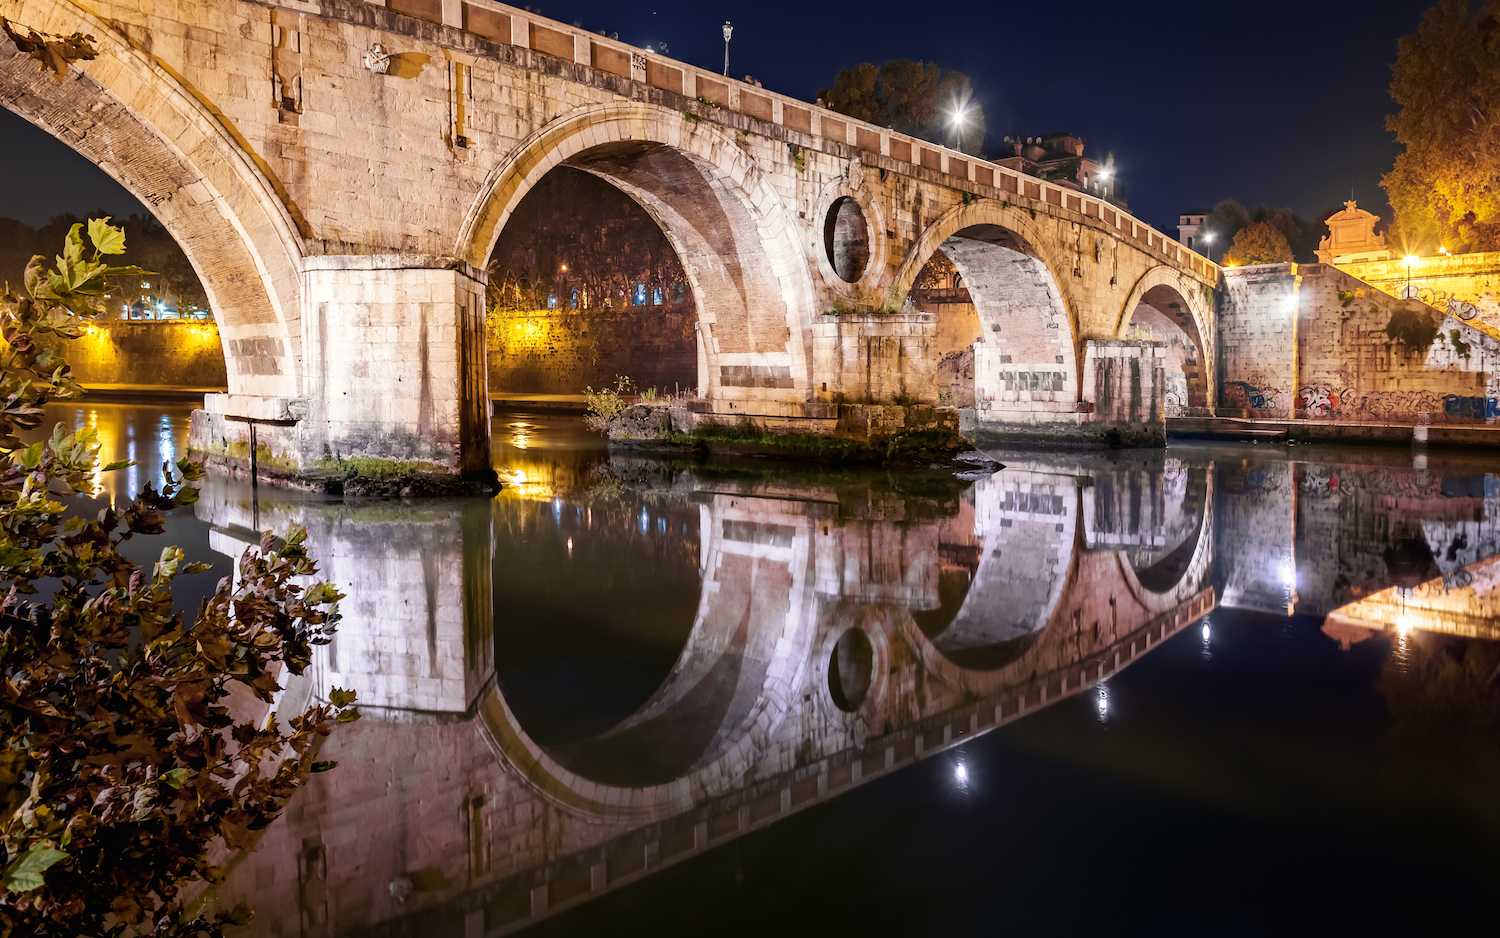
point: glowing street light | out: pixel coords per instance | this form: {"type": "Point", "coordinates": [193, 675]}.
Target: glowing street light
{"type": "Point", "coordinates": [1208, 245]}
{"type": "Point", "coordinates": [956, 119]}
{"type": "Point", "coordinates": [728, 30]}
{"type": "Point", "coordinates": [1411, 259]}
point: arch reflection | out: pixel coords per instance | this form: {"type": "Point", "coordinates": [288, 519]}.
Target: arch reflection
{"type": "Point", "coordinates": [614, 663]}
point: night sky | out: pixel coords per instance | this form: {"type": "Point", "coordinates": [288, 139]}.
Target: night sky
{"type": "Point", "coordinates": [1277, 102]}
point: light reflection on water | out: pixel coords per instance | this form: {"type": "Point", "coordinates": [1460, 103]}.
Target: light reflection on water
{"type": "Point", "coordinates": [619, 662]}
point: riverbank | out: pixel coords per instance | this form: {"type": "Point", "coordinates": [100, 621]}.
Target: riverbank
{"type": "Point", "coordinates": [364, 478]}
{"type": "Point", "coordinates": [1437, 435]}
{"type": "Point", "coordinates": [905, 437]}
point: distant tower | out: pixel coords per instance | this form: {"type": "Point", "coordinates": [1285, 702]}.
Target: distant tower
{"type": "Point", "coordinates": [1188, 224]}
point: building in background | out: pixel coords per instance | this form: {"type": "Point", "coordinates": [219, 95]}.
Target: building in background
{"type": "Point", "coordinates": [1058, 158]}
{"type": "Point", "coordinates": [1352, 238]}
{"type": "Point", "coordinates": [1188, 224]}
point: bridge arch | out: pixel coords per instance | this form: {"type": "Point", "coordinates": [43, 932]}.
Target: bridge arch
{"type": "Point", "coordinates": [1179, 575]}
{"type": "Point", "coordinates": [1029, 358]}
{"type": "Point", "coordinates": [1167, 300]}
{"type": "Point", "coordinates": [154, 134]}
{"type": "Point", "coordinates": [729, 227]}
{"type": "Point", "coordinates": [732, 685]}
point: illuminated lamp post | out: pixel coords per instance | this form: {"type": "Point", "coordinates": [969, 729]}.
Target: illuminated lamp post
{"type": "Point", "coordinates": [728, 30]}
{"type": "Point", "coordinates": [1410, 260]}
{"type": "Point", "coordinates": [1208, 246]}
{"type": "Point", "coordinates": [960, 113]}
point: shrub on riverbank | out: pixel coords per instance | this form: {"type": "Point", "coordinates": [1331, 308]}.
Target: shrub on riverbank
{"type": "Point", "coordinates": [122, 773]}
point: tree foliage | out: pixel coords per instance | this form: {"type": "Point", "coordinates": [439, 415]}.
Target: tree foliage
{"type": "Point", "coordinates": [1258, 243]}
{"type": "Point", "coordinates": [914, 98]}
{"type": "Point", "coordinates": [1229, 218]}
{"type": "Point", "coordinates": [603, 238]}
{"type": "Point", "coordinates": [121, 770]}
{"type": "Point", "coordinates": [171, 278]}
{"type": "Point", "coordinates": [1445, 185]}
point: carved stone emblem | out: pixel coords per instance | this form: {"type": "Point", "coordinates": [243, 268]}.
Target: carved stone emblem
{"type": "Point", "coordinates": [378, 60]}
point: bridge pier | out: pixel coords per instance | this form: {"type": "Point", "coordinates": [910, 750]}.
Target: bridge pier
{"type": "Point", "coordinates": [393, 368]}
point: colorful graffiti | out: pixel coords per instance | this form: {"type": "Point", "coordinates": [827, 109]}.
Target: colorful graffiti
{"type": "Point", "coordinates": [1327, 400]}
{"type": "Point", "coordinates": [1474, 408]}
{"type": "Point", "coordinates": [1246, 395]}
{"type": "Point", "coordinates": [1321, 400]}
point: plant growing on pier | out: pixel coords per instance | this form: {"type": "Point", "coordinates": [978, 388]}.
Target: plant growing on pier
{"type": "Point", "coordinates": [605, 404]}
{"type": "Point", "coordinates": [123, 773]}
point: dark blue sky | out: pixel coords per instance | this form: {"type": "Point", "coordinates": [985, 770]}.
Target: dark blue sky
{"type": "Point", "coordinates": [1277, 102]}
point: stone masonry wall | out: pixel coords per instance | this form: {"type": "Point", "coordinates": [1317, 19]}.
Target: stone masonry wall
{"type": "Point", "coordinates": [1125, 379]}
{"type": "Point", "coordinates": [1258, 341]}
{"type": "Point", "coordinates": [870, 358]}
{"type": "Point", "coordinates": [1466, 286]}
{"type": "Point", "coordinates": [562, 351]}
{"type": "Point", "coordinates": [172, 353]}
{"type": "Point", "coordinates": [1351, 369]}
{"type": "Point", "coordinates": [1310, 341]}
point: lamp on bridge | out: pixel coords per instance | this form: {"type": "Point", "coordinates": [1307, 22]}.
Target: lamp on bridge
{"type": "Point", "coordinates": [1208, 240]}
{"type": "Point", "coordinates": [728, 30]}
{"type": "Point", "coordinates": [960, 114]}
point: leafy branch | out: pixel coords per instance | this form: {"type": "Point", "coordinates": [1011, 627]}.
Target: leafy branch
{"type": "Point", "coordinates": [121, 768]}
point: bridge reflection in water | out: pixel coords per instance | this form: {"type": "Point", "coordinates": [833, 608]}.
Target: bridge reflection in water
{"type": "Point", "coordinates": [562, 695]}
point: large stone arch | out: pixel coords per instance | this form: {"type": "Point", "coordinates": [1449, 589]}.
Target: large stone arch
{"type": "Point", "coordinates": [147, 128]}
{"type": "Point", "coordinates": [1180, 299]}
{"type": "Point", "coordinates": [733, 684]}
{"type": "Point", "coordinates": [1182, 573]}
{"type": "Point", "coordinates": [1030, 361]}
{"type": "Point", "coordinates": [732, 232]}
{"type": "Point", "coordinates": [1028, 522]}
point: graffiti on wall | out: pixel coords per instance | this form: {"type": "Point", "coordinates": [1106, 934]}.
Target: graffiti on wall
{"type": "Point", "coordinates": [1322, 400]}
{"type": "Point", "coordinates": [1441, 299]}
{"type": "Point", "coordinates": [1245, 395]}
{"type": "Point", "coordinates": [1475, 408]}
{"type": "Point", "coordinates": [1175, 398]}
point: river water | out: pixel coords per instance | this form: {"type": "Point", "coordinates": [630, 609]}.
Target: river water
{"type": "Point", "coordinates": [1222, 689]}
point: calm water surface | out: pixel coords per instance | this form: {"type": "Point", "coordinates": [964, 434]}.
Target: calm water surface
{"type": "Point", "coordinates": [1200, 690]}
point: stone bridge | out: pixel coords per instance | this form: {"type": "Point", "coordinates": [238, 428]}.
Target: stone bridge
{"type": "Point", "coordinates": [338, 172]}
{"type": "Point", "coordinates": [840, 633]}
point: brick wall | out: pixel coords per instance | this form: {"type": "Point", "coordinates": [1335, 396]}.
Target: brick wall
{"type": "Point", "coordinates": [562, 351]}
{"type": "Point", "coordinates": [166, 354]}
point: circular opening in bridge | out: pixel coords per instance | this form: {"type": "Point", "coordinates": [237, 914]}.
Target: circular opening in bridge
{"type": "Point", "coordinates": [849, 670]}
{"type": "Point", "coordinates": [846, 238]}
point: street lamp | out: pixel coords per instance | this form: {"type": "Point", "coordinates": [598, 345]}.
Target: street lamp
{"type": "Point", "coordinates": [957, 120]}
{"type": "Point", "coordinates": [1410, 260]}
{"type": "Point", "coordinates": [1208, 241]}
{"type": "Point", "coordinates": [728, 31]}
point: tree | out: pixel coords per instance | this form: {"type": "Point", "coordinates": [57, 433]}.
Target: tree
{"type": "Point", "coordinates": [1258, 243]}
{"type": "Point", "coordinates": [120, 766]}
{"type": "Point", "coordinates": [914, 98]}
{"type": "Point", "coordinates": [1226, 220]}
{"type": "Point", "coordinates": [603, 238]}
{"type": "Point", "coordinates": [1445, 185]}
{"type": "Point", "coordinates": [854, 93]}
